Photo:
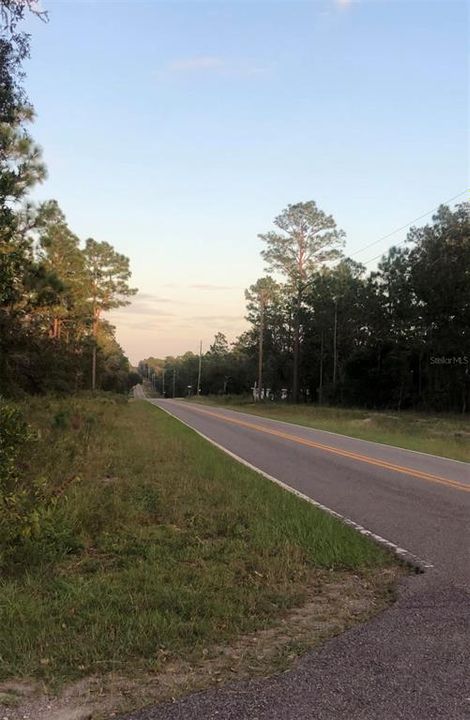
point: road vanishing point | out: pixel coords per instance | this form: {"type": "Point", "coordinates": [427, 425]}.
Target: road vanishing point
{"type": "Point", "coordinates": [410, 662]}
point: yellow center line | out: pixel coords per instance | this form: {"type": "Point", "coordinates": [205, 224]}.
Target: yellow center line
{"type": "Point", "coordinates": [456, 484]}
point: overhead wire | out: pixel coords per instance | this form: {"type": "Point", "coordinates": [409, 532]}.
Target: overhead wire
{"type": "Point", "coordinates": [403, 227]}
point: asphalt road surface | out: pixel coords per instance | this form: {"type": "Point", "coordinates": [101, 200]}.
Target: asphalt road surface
{"type": "Point", "coordinates": [412, 661]}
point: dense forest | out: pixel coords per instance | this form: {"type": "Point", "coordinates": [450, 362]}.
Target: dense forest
{"type": "Point", "coordinates": [54, 288]}
{"type": "Point", "coordinates": [325, 331]}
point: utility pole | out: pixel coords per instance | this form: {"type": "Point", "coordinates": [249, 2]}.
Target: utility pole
{"type": "Point", "coordinates": [296, 353]}
{"type": "Point", "coordinates": [163, 382]}
{"type": "Point", "coordinates": [93, 352]}
{"type": "Point", "coordinates": [174, 382]}
{"type": "Point", "coordinates": [198, 391]}
{"type": "Point", "coordinates": [334, 341]}
{"type": "Point", "coordinates": [260, 351]}
{"type": "Point", "coordinates": [320, 389]}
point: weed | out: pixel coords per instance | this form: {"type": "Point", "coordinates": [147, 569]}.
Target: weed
{"type": "Point", "coordinates": [153, 541]}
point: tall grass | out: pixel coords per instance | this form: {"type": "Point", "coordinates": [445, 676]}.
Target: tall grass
{"type": "Point", "coordinates": [156, 545]}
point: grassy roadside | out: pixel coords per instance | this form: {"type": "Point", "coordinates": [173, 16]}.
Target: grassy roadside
{"type": "Point", "coordinates": [445, 435]}
{"type": "Point", "coordinates": [157, 549]}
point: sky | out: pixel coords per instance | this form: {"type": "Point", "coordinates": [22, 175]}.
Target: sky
{"type": "Point", "coordinates": [177, 131]}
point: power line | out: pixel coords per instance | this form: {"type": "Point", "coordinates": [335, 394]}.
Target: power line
{"type": "Point", "coordinates": [404, 241]}
{"type": "Point", "coordinates": [376, 257]}
{"type": "Point", "coordinates": [403, 227]}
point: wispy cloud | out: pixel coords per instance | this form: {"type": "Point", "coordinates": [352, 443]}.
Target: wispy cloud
{"type": "Point", "coordinates": [203, 62]}
{"type": "Point", "coordinates": [215, 65]}
{"type": "Point", "coordinates": [209, 286]}
{"type": "Point", "coordinates": [142, 310]}
{"type": "Point", "coordinates": [148, 325]}
{"type": "Point", "coordinates": [210, 319]}
{"type": "Point", "coordinates": [147, 303]}
{"type": "Point", "coordinates": [150, 297]}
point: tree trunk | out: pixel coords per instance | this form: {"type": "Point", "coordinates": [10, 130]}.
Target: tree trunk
{"type": "Point", "coordinates": [93, 367]}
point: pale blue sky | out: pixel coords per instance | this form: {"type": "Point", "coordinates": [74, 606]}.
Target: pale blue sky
{"type": "Point", "coordinates": [178, 130]}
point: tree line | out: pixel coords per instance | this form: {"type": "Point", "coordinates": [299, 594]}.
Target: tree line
{"type": "Point", "coordinates": [324, 330]}
{"type": "Point", "coordinates": [54, 289]}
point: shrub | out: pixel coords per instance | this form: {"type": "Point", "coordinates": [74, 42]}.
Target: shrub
{"type": "Point", "coordinates": [19, 514]}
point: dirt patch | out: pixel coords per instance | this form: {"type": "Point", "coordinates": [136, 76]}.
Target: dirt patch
{"type": "Point", "coordinates": [108, 480]}
{"type": "Point", "coordinates": [336, 601]}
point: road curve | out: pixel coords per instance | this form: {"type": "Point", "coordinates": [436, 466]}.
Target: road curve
{"type": "Point", "coordinates": [411, 662]}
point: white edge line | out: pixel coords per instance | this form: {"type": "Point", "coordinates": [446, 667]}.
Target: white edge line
{"type": "Point", "coordinates": [405, 555]}
{"type": "Point", "coordinates": [330, 432]}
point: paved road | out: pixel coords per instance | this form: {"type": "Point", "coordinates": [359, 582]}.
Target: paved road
{"type": "Point", "coordinates": [413, 661]}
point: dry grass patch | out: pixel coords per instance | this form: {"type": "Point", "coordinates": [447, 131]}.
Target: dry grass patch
{"type": "Point", "coordinates": [335, 602]}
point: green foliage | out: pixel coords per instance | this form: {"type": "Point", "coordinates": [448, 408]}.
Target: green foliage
{"type": "Point", "coordinates": [13, 433]}
{"type": "Point", "coordinates": [52, 290]}
{"type": "Point", "coordinates": [108, 276]}
{"type": "Point", "coordinates": [156, 540]}
{"type": "Point", "coordinates": [33, 526]}
{"type": "Point", "coordinates": [397, 338]}
{"type": "Point", "coordinates": [19, 514]}
{"type": "Point", "coordinates": [305, 237]}
{"type": "Point", "coordinates": [37, 525]}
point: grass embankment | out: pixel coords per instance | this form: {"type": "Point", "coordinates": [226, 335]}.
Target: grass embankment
{"type": "Point", "coordinates": [446, 435]}
{"type": "Point", "coordinates": [157, 547]}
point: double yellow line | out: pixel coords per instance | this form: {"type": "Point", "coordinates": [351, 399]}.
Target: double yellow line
{"type": "Point", "coordinates": [455, 484]}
